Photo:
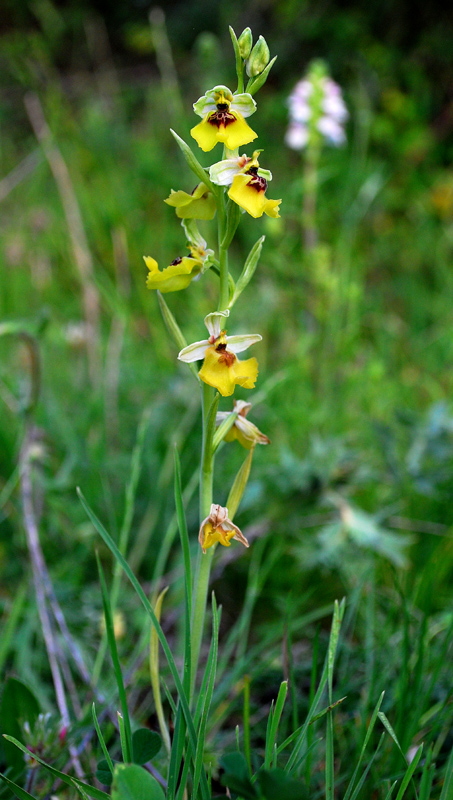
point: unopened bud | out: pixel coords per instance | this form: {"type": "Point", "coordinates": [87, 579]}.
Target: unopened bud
{"type": "Point", "coordinates": [245, 42]}
{"type": "Point", "coordinates": [258, 59]}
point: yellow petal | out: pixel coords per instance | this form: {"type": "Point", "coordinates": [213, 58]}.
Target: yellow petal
{"type": "Point", "coordinates": [272, 207]}
{"type": "Point", "coordinates": [218, 372]}
{"type": "Point", "coordinates": [232, 135]}
{"type": "Point", "coordinates": [238, 133]}
{"type": "Point", "coordinates": [246, 196]}
{"type": "Point", "coordinates": [205, 134]}
{"type": "Point", "coordinates": [250, 199]}
{"type": "Point", "coordinates": [172, 278]}
{"type": "Point", "coordinates": [213, 535]}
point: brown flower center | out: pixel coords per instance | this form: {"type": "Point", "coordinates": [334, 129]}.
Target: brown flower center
{"type": "Point", "coordinates": [222, 116]}
{"type": "Point", "coordinates": [225, 356]}
{"type": "Point", "coordinates": [257, 182]}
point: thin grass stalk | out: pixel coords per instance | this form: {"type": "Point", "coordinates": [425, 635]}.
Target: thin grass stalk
{"type": "Point", "coordinates": [82, 254]}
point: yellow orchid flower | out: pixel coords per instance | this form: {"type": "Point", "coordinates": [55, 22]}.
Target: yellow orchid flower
{"type": "Point", "coordinates": [175, 277]}
{"type": "Point", "coordinates": [198, 205]}
{"type": "Point", "coordinates": [223, 119]}
{"type": "Point", "coordinates": [221, 367]}
{"type": "Point", "coordinates": [248, 184]}
{"type": "Point", "coordinates": [247, 434]}
{"type": "Point", "coordinates": [218, 528]}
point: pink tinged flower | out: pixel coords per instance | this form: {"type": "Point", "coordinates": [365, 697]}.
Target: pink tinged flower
{"type": "Point", "coordinates": [331, 130]}
{"type": "Point", "coordinates": [296, 136]}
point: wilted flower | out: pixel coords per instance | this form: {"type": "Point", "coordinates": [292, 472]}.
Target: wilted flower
{"type": "Point", "coordinates": [221, 368]}
{"type": "Point", "coordinates": [223, 119]}
{"type": "Point", "coordinates": [200, 204]}
{"type": "Point", "coordinates": [247, 434]}
{"type": "Point", "coordinates": [181, 271]}
{"type": "Point", "coordinates": [316, 106]}
{"type": "Point", "coordinates": [218, 528]}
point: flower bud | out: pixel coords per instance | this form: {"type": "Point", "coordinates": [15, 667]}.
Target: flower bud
{"type": "Point", "coordinates": [258, 59]}
{"type": "Point", "coordinates": [245, 42]}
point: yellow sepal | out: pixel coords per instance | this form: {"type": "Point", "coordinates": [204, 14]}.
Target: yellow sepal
{"type": "Point", "coordinates": [172, 278]}
{"type": "Point", "coordinates": [217, 372]}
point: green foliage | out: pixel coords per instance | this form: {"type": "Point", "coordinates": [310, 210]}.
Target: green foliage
{"type": "Point", "coordinates": [134, 783]}
{"type": "Point", "coordinates": [18, 706]}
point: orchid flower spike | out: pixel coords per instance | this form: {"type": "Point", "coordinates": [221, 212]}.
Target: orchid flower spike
{"type": "Point", "coordinates": [223, 119]}
{"type": "Point", "coordinates": [218, 528]}
{"type": "Point", "coordinates": [221, 368]}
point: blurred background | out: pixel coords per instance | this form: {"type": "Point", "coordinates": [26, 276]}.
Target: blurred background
{"type": "Point", "coordinates": [354, 495]}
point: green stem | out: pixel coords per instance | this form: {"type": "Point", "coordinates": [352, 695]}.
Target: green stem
{"type": "Point", "coordinates": [310, 189]}
{"type": "Point", "coordinates": [224, 296]}
{"type": "Point", "coordinates": [204, 560]}
{"type": "Point", "coordinates": [203, 565]}
{"type": "Point", "coordinates": [224, 281]}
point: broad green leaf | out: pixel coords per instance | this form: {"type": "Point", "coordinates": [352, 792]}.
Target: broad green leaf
{"type": "Point", "coordinates": [276, 784]}
{"type": "Point", "coordinates": [18, 705]}
{"type": "Point", "coordinates": [132, 782]}
{"type": "Point", "coordinates": [236, 776]}
{"type": "Point", "coordinates": [103, 772]}
{"type": "Point", "coordinates": [145, 745]}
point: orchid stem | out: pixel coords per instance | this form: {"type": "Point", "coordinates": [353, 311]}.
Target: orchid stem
{"type": "Point", "coordinates": [203, 565]}
{"type": "Point", "coordinates": [224, 297]}
{"type": "Point", "coordinates": [204, 560]}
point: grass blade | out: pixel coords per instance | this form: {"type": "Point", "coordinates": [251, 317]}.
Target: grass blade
{"type": "Point", "coordinates": [447, 788]}
{"type": "Point", "coordinates": [333, 642]}
{"type": "Point", "coordinates": [155, 675]}
{"type": "Point", "coordinates": [127, 739]}
{"type": "Point", "coordinates": [17, 790]}
{"type": "Point", "coordinates": [275, 721]}
{"type": "Point", "coordinates": [75, 783]}
{"type": "Point", "coordinates": [409, 772]}
{"type": "Point", "coordinates": [362, 752]}
{"type": "Point", "coordinates": [101, 739]}
{"type": "Point", "coordinates": [162, 638]}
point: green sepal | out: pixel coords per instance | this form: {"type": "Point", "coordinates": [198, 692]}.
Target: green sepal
{"type": "Point", "coordinates": [238, 487]}
{"type": "Point", "coordinates": [239, 62]}
{"type": "Point", "coordinates": [245, 43]}
{"type": "Point", "coordinates": [258, 59]}
{"type": "Point", "coordinates": [256, 83]}
{"type": "Point", "coordinates": [248, 270]}
{"type": "Point", "coordinates": [201, 173]}
{"type": "Point", "coordinates": [233, 217]}
{"type": "Point", "coordinates": [174, 330]}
